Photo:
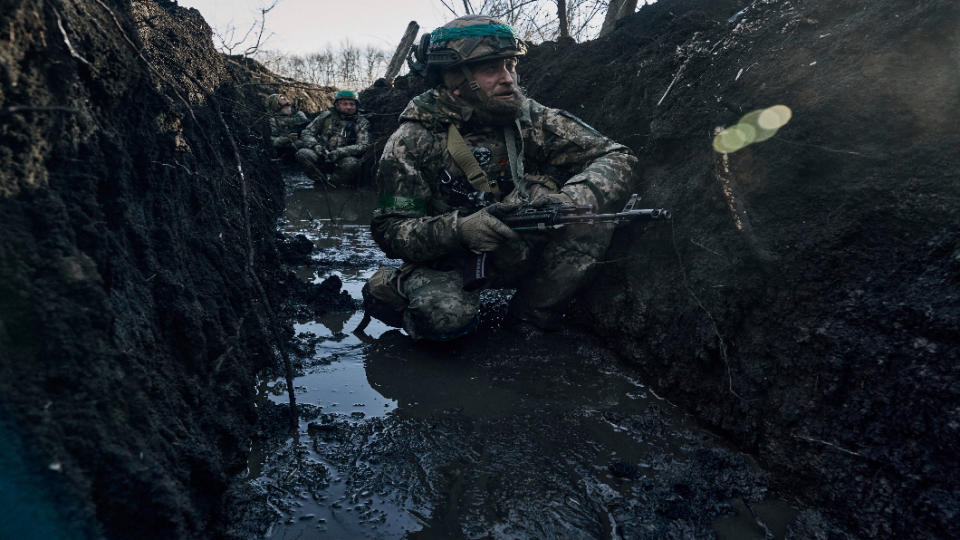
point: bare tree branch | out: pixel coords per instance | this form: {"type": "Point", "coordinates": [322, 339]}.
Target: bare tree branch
{"type": "Point", "coordinates": [263, 20]}
{"type": "Point", "coordinates": [542, 20]}
{"type": "Point", "coordinates": [453, 11]}
{"type": "Point", "coordinates": [563, 24]}
{"type": "Point", "coordinates": [227, 38]}
{"type": "Point", "coordinates": [617, 10]}
{"type": "Point", "coordinates": [587, 19]}
{"type": "Point", "coordinates": [393, 68]}
{"type": "Point", "coordinates": [516, 8]}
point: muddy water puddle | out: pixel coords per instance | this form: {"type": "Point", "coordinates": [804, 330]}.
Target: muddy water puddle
{"type": "Point", "coordinates": [509, 433]}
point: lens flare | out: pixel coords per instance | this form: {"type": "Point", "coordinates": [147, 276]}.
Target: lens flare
{"type": "Point", "coordinates": [748, 131]}
{"type": "Point", "coordinates": [755, 126]}
{"type": "Point", "coordinates": [730, 140]}
{"type": "Point", "coordinates": [753, 119]}
{"type": "Point", "coordinates": [775, 117]}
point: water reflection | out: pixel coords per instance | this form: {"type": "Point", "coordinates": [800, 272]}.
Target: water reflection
{"type": "Point", "coordinates": [336, 221]}
{"type": "Point", "coordinates": [501, 433]}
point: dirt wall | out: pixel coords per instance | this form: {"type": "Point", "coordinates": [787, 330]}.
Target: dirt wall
{"type": "Point", "coordinates": [804, 299]}
{"type": "Point", "coordinates": [257, 79]}
{"type": "Point", "coordinates": [136, 202]}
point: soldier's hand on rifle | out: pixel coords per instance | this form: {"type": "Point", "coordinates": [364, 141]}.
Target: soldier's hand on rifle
{"type": "Point", "coordinates": [551, 198]}
{"type": "Point", "coordinates": [482, 231]}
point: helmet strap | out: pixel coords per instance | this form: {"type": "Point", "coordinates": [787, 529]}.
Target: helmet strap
{"type": "Point", "coordinates": [471, 81]}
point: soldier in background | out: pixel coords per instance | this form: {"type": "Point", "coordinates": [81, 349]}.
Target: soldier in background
{"type": "Point", "coordinates": [285, 125]}
{"type": "Point", "coordinates": [331, 147]}
{"type": "Point", "coordinates": [464, 152]}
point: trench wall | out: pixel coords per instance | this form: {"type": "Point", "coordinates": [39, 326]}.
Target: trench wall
{"type": "Point", "coordinates": [804, 299]}
{"type": "Point", "coordinates": [137, 215]}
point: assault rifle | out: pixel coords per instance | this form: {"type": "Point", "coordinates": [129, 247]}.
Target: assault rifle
{"type": "Point", "coordinates": [555, 216]}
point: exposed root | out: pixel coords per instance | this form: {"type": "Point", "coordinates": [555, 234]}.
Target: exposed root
{"type": "Point", "coordinates": [252, 274]}
{"type": "Point", "coordinates": [713, 321]}
{"type": "Point", "coordinates": [831, 445]}
{"type": "Point", "coordinates": [66, 40]}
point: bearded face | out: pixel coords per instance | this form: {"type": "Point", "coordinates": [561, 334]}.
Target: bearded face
{"type": "Point", "coordinates": [500, 97]}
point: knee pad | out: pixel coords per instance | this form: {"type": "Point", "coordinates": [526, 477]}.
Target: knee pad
{"type": "Point", "coordinates": [439, 319]}
{"type": "Point", "coordinates": [307, 156]}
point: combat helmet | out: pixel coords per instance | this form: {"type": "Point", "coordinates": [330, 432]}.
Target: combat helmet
{"type": "Point", "coordinates": [346, 94]}
{"type": "Point", "coordinates": [271, 102]}
{"type": "Point", "coordinates": [462, 41]}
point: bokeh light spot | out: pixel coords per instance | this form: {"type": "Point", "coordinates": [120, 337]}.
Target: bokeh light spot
{"type": "Point", "coordinates": [755, 126]}
{"type": "Point", "coordinates": [775, 117]}
{"type": "Point", "coordinates": [730, 140]}
{"type": "Point", "coordinates": [749, 132]}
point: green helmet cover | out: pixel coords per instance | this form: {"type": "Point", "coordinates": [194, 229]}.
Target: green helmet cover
{"type": "Point", "coordinates": [346, 94]}
{"type": "Point", "coordinates": [271, 101]}
{"type": "Point", "coordinates": [472, 38]}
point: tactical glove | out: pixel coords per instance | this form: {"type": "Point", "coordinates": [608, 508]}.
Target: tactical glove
{"type": "Point", "coordinates": [551, 198]}
{"type": "Point", "coordinates": [321, 153]}
{"type": "Point", "coordinates": [482, 231]}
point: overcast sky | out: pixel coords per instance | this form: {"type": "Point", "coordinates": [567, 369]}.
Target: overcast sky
{"type": "Point", "coordinates": [304, 26]}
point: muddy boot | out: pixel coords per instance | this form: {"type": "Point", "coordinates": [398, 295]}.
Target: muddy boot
{"type": "Point", "coordinates": [312, 172]}
{"type": "Point", "coordinates": [347, 172]}
{"type": "Point", "coordinates": [380, 310]}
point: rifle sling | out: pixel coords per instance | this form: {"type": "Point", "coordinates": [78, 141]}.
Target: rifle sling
{"type": "Point", "coordinates": [461, 154]}
{"type": "Point", "coordinates": [516, 162]}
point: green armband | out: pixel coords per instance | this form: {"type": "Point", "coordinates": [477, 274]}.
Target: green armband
{"type": "Point", "coordinates": [406, 204]}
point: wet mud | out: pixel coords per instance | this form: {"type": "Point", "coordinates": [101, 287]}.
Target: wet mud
{"type": "Point", "coordinates": [508, 433]}
{"type": "Point", "coordinates": [802, 306]}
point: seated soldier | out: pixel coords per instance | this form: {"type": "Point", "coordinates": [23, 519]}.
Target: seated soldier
{"type": "Point", "coordinates": [465, 150]}
{"type": "Point", "coordinates": [333, 144]}
{"type": "Point", "coordinates": [285, 125]}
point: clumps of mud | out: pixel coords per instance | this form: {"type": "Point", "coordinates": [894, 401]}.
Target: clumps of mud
{"type": "Point", "coordinates": [138, 204]}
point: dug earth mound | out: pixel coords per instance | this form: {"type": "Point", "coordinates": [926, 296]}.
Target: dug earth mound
{"type": "Point", "coordinates": [138, 208]}
{"type": "Point", "coordinates": [803, 302]}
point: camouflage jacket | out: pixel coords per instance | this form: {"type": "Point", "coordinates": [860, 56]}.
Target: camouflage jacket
{"type": "Point", "coordinates": [281, 126]}
{"type": "Point", "coordinates": [340, 136]}
{"type": "Point", "coordinates": [422, 191]}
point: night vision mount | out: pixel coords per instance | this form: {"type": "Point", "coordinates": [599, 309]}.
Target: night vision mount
{"type": "Point", "coordinates": [427, 55]}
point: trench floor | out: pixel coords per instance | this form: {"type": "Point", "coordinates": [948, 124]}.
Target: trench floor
{"type": "Point", "coordinates": [508, 433]}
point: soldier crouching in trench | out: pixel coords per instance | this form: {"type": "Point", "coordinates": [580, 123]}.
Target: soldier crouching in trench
{"type": "Point", "coordinates": [285, 125]}
{"type": "Point", "coordinates": [465, 152]}
{"type": "Point", "coordinates": [331, 147]}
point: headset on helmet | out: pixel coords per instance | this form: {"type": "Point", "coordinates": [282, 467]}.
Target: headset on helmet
{"type": "Point", "coordinates": [464, 40]}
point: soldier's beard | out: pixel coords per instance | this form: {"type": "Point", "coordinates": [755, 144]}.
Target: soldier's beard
{"type": "Point", "coordinates": [496, 110]}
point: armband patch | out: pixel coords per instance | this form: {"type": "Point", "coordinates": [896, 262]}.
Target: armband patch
{"type": "Point", "coordinates": [406, 204]}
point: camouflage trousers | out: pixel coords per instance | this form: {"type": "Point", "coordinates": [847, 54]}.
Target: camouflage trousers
{"type": "Point", "coordinates": [547, 269]}
{"type": "Point", "coordinates": [345, 172]}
